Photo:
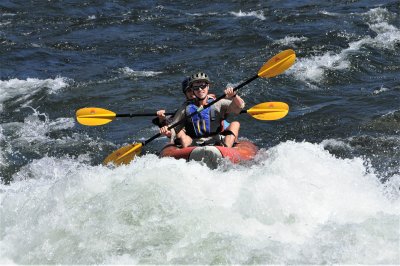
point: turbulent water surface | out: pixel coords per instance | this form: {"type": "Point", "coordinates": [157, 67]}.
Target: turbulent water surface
{"type": "Point", "coordinates": [323, 189]}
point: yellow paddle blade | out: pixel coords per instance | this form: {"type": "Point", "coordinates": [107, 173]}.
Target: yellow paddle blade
{"type": "Point", "coordinates": [124, 155]}
{"type": "Point", "coordinates": [269, 111]}
{"type": "Point", "coordinates": [92, 116]}
{"type": "Point", "coordinates": [277, 64]}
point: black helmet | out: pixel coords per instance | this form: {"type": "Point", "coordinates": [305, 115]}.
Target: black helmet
{"type": "Point", "coordinates": [185, 84]}
{"type": "Point", "coordinates": [200, 76]}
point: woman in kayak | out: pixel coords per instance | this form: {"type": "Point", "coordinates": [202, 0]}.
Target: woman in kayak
{"type": "Point", "coordinates": [161, 119]}
{"type": "Point", "coordinates": [207, 126]}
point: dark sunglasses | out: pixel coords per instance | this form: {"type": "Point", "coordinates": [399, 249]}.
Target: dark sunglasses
{"type": "Point", "coordinates": [198, 87]}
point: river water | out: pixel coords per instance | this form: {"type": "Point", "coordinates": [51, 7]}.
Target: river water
{"type": "Point", "coordinates": [324, 188]}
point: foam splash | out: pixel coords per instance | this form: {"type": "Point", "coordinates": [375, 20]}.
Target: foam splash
{"type": "Point", "coordinates": [23, 89]}
{"type": "Point", "coordinates": [387, 35]}
{"type": "Point", "coordinates": [134, 73]}
{"type": "Point", "coordinates": [122, 73]}
{"type": "Point", "coordinates": [298, 204]}
{"type": "Point", "coordinates": [257, 14]}
{"type": "Point", "coordinates": [7, 14]}
{"type": "Point", "coordinates": [4, 24]}
{"type": "Point", "coordinates": [290, 40]}
{"type": "Point", "coordinates": [377, 15]}
{"type": "Point", "coordinates": [313, 69]}
{"type": "Point", "coordinates": [336, 144]}
{"type": "Point", "coordinates": [2, 150]}
{"type": "Point", "coordinates": [33, 135]}
{"type": "Point", "coordinates": [327, 13]}
{"type": "Point", "coordinates": [202, 14]}
{"type": "Point", "coordinates": [35, 129]}
{"type": "Point", "coordinates": [380, 90]}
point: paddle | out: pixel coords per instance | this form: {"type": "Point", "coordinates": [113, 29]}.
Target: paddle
{"type": "Point", "coordinates": [275, 66]}
{"type": "Point", "coordinates": [93, 116]}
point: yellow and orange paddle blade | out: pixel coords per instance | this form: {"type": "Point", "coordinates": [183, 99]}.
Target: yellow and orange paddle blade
{"type": "Point", "coordinates": [124, 155]}
{"type": "Point", "coordinates": [277, 64]}
{"type": "Point", "coordinates": [93, 116]}
{"type": "Point", "coordinates": [269, 111]}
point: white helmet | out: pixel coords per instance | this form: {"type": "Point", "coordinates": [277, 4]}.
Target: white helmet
{"type": "Point", "coordinates": [200, 76]}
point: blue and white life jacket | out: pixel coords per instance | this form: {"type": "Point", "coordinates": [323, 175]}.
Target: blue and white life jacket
{"type": "Point", "coordinates": [204, 124]}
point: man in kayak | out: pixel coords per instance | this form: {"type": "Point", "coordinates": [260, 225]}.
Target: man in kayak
{"type": "Point", "coordinates": [207, 126]}
{"type": "Point", "coordinates": [161, 119]}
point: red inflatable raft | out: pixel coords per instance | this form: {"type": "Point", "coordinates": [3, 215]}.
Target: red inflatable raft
{"type": "Point", "coordinates": [211, 155]}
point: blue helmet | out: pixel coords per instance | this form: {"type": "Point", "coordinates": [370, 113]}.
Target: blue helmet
{"type": "Point", "coordinates": [185, 84]}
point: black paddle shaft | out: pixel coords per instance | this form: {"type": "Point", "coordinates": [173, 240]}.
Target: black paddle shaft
{"type": "Point", "coordinates": [134, 115]}
{"type": "Point", "coordinates": [200, 110]}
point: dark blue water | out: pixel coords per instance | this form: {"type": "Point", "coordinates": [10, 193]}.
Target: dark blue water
{"type": "Point", "coordinates": [130, 57]}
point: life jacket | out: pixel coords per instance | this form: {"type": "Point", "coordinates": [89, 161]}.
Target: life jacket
{"type": "Point", "coordinates": [204, 124]}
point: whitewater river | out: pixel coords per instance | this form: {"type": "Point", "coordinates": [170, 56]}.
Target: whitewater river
{"type": "Point", "coordinates": [324, 188]}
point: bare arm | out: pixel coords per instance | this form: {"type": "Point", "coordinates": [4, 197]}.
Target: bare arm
{"type": "Point", "coordinates": [179, 115]}
{"type": "Point", "coordinates": [230, 94]}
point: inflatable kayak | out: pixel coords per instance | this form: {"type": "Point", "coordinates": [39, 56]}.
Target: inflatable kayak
{"type": "Point", "coordinates": [211, 155]}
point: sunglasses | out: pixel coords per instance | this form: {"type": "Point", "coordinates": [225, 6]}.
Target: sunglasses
{"type": "Point", "coordinates": [198, 87]}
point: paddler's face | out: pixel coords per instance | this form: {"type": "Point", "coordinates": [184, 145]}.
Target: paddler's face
{"type": "Point", "coordinates": [200, 89]}
{"type": "Point", "coordinates": [189, 94]}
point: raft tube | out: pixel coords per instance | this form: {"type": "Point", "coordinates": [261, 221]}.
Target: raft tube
{"type": "Point", "coordinates": [211, 155]}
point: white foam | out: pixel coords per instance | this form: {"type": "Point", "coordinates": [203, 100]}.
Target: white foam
{"type": "Point", "coordinates": [194, 14]}
{"type": "Point", "coordinates": [377, 15]}
{"type": "Point", "coordinates": [34, 128]}
{"type": "Point", "coordinates": [327, 13]}
{"type": "Point", "coordinates": [313, 69]}
{"type": "Point", "coordinates": [297, 204]}
{"type": "Point", "coordinates": [381, 90]}
{"type": "Point", "coordinates": [4, 24]}
{"type": "Point", "coordinates": [2, 150]}
{"type": "Point", "coordinates": [257, 14]}
{"type": "Point", "coordinates": [33, 134]}
{"type": "Point", "coordinates": [135, 73]}
{"type": "Point", "coordinates": [8, 14]}
{"type": "Point", "coordinates": [336, 144]}
{"type": "Point", "coordinates": [387, 35]}
{"type": "Point", "coordinates": [23, 89]}
{"type": "Point", "coordinates": [291, 40]}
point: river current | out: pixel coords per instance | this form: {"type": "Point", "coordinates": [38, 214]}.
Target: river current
{"type": "Point", "coordinates": [324, 188]}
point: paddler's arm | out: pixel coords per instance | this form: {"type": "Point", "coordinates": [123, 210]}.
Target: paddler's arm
{"type": "Point", "coordinates": [237, 103]}
{"type": "Point", "coordinates": [161, 119]}
{"type": "Point", "coordinates": [180, 114]}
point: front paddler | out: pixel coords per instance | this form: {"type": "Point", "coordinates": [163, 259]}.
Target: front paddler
{"type": "Point", "coordinates": [206, 127]}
